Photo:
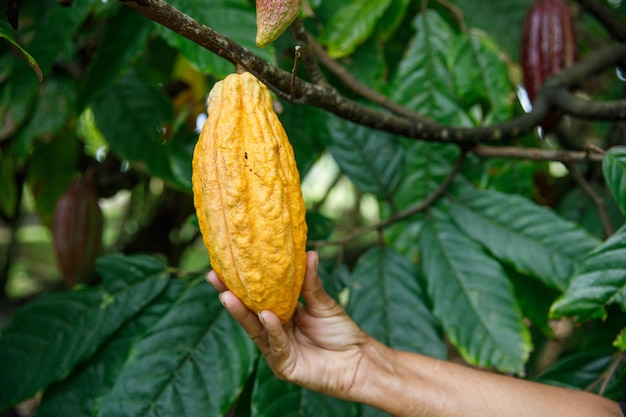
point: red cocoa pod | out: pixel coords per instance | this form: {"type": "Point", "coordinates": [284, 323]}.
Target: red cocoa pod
{"type": "Point", "coordinates": [548, 45]}
{"type": "Point", "coordinates": [77, 226]}
{"type": "Point", "coordinates": [273, 17]}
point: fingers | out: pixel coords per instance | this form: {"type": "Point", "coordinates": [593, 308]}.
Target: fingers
{"type": "Point", "coordinates": [279, 354]}
{"type": "Point", "coordinates": [214, 280]}
{"type": "Point", "coordinates": [245, 317]}
{"type": "Point", "coordinates": [313, 292]}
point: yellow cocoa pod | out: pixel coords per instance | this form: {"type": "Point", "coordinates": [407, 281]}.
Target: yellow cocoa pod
{"type": "Point", "coordinates": [248, 198]}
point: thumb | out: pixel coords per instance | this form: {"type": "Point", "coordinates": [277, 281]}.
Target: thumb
{"type": "Point", "coordinates": [313, 293]}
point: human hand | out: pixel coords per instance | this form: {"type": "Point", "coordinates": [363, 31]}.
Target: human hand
{"type": "Point", "coordinates": [319, 348]}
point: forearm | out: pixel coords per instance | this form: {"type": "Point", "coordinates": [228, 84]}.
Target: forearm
{"type": "Point", "coordinates": [407, 384]}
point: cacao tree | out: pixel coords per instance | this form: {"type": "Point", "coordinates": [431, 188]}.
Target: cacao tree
{"type": "Point", "coordinates": [449, 219]}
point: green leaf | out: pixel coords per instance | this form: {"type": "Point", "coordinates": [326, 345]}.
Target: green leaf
{"type": "Point", "coordinates": [387, 301]}
{"type": "Point", "coordinates": [535, 300]}
{"type": "Point", "coordinates": [394, 14]}
{"type": "Point", "coordinates": [600, 281]}
{"type": "Point", "coordinates": [123, 39]}
{"type": "Point", "coordinates": [472, 296]}
{"type": "Point", "coordinates": [302, 124]}
{"type": "Point", "coordinates": [351, 25]}
{"type": "Point", "coordinates": [76, 395]}
{"type": "Point", "coordinates": [8, 179]}
{"type": "Point", "coordinates": [423, 81]}
{"type": "Point", "coordinates": [532, 239]}
{"type": "Point", "coordinates": [6, 32]}
{"type": "Point", "coordinates": [614, 169]}
{"type": "Point", "coordinates": [620, 340]}
{"type": "Point", "coordinates": [47, 188]}
{"type": "Point", "coordinates": [48, 337]}
{"type": "Point", "coordinates": [503, 20]}
{"type": "Point", "coordinates": [275, 398]}
{"type": "Point", "coordinates": [53, 108]}
{"type": "Point", "coordinates": [235, 19]}
{"type": "Point", "coordinates": [576, 371]}
{"type": "Point", "coordinates": [370, 158]}
{"type": "Point", "coordinates": [426, 167]}
{"type": "Point", "coordinates": [576, 206]}
{"type": "Point", "coordinates": [481, 77]}
{"type": "Point", "coordinates": [130, 114]}
{"type": "Point", "coordinates": [320, 227]}
{"type": "Point", "coordinates": [193, 362]}
{"type": "Point", "coordinates": [617, 388]}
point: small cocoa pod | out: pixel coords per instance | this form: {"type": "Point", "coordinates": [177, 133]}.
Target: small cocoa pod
{"type": "Point", "coordinates": [273, 17]}
{"type": "Point", "coordinates": [548, 45]}
{"type": "Point", "coordinates": [77, 225]}
{"type": "Point", "coordinates": [248, 199]}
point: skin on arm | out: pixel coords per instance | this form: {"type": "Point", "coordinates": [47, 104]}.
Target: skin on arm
{"type": "Point", "coordinates": [322, 349]}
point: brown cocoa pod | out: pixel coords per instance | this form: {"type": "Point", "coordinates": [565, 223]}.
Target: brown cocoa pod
{"type": "Point", "coordinates": [77, 225]}
{"type": "Point", "coordinates": [548, 46]}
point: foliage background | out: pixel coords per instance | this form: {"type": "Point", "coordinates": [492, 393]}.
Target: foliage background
{"type": "Point", "coordinates": [514, 264]}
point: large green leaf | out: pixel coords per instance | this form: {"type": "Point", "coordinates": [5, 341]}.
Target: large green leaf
{"type": "Point", "coordinates": [392, 18]}
{"type": "Point", "coordinates": [46, 188]}
{"type": "Point", "coordinates": [533, 239]}
{"type": "Point", "coordinates": [370, 158]}
{"type": "Point", "coordinates": [387, 301]}
{"type": "Point", "coordinates": [123, 39]}
{"type": "Point", "coordinates": [49, 336]}
{"type": "Point", "coordinates": [576, 371]}
{"type": "Point", "coordinates": [424, 81]}
{"type": "Point", "coordinates": [235, 19]}
{"type": "Point", "coordinates": [130, 115]}
{"type": "Point", "coordinates": [614, 169]}
{"type": "Point", "coordinates": [473, 298]}
{"type": "Point", "coordinates": [193, 362]}
{"type": "Point", "coordinates": [600, 280]}
{"type": "Point", "coordinates": [481, 78]}
{"type": "Point", "coordinates": [54, 106]}
{"type": "Point", "coordinates": [576, 206]}
{"type": "Point", "coordinates": [7, 33]}
{"type": "Point", "coordinates": [76, 395]}
{"type": "Point", "coordinates": [275, 398]}
{"type": "Point", "coordinates": [302, 124]}
{"type": "Point", "coordinates": [503, 20]}
{"type": "Point", "coordinates": [351, 25]}
{"type": "Point", "coordinates": [426, 166]}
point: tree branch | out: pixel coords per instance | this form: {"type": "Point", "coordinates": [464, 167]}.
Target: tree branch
{"type": "Point", "coordinates": [331, 100]}
{"type": "Point", "coordinates": [587, 109]}
{"type": "Point", "coordinates": [534, 154]}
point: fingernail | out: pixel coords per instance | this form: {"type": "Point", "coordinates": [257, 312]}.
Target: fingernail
{"type": "Point", "coordinates": [261, 317]}
{"type": "Point", "coordinates": [221, 301]}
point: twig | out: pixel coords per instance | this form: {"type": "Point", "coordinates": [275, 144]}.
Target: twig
{"type": "Point", "coordinates": [308, 55]}
{"type": "Point", "coordinates": [296, 58]}
{"type": "Point", "coordinates": [357, 86]}
{"type": "Point", "coordinates": [607, 375]}
{"type": "Point", "coordinates": [421, 206]}
{"type": "Point", "coordinates": [534, 154]}
{"type": "Point", "coordinates": [597, 200]}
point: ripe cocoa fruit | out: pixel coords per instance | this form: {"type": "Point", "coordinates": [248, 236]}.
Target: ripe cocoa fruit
{"type": "Point", "coordinates": [548, 45]}
{"type": "Point", "coordinates": [273, 17]}
{"type": "Point", "coordinates": [248, 199]}
{"type": "Point", "coordinates": [77, 225]}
